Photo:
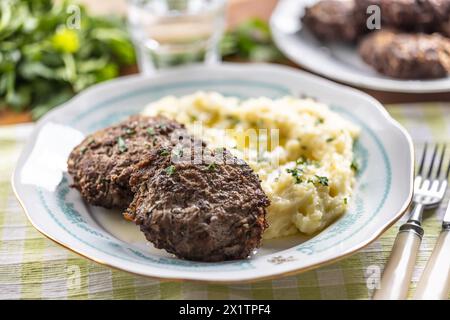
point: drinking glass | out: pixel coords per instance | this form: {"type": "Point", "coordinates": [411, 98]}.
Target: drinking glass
{"type": "Point", "coordinates": [168, 33]}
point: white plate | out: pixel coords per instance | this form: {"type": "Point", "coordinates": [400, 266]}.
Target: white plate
{"type": "Point", "coordinates": [41, 183]}
{"type": "Point", "coordinates": [335, 61]}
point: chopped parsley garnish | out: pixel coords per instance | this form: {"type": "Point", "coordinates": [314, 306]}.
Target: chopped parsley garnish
{"type": "Point", "coordinates": [83, 149]}
{"type": "Point", "coordinates": [354, 165]}
{"type": "Point", "coordinates": [345, 201]}
{"type": "Point", "coordinates": [319, 121]}
{"type": "Point", "coordinates": [303, 161]}
{"type": "Point", "coordinates": [130, 131]}
{"type": "Point", "coordinates": [151, 131]}
{"type": "Point", "coordinates": [164, 152]}
{"type": "Point", "coordinates": [170, 170]}
{"type": "Point", "coordinates": [179, 153]}
{"type": "Point", "coordinates": [330, 140]}
{"type": "Point", "coordinates": [193, 118]}
{"type": "Point", "coordinates": [296, 173]}
{"type": "Point", "coordinates": [161, 126]}
{"type": "Point", "coordinates": [121, 144]}
{"type": "Point", "coordinates": [212, 166]}
{"type": "Point", "coordinates": [322, 180]}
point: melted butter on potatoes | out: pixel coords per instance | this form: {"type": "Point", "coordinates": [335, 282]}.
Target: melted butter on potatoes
{"type": "Point", "coordinates": [305, 169]}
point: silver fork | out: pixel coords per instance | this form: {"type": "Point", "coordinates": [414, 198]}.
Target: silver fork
{"type": "Point", "coordinates": [430, 185]}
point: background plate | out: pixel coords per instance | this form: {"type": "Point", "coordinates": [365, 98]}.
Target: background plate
{"type": "Point", "coordinates": [335, 61]}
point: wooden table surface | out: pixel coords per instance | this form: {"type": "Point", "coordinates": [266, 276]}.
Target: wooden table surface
{"type": "Point", "coordinates": [238, 11]}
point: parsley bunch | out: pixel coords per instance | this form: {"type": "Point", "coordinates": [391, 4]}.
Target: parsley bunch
{"type": "Point", "coordinates": [44, 61]}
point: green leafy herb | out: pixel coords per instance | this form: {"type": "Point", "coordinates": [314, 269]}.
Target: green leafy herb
{"type": "Point", "coordinates": [302, 161]}
{"type": "Point", "coordinates": [322, 180]}
{"type": "Point", "coordinates": [345, 201]}
{"type": "Point", "coordinates": [354, 165]}
{"type": "Point", "coordinates": [180, 153]}
{"type": "Point", "coordinates": [130, 131]}
{"type": "Point", "coordinates": [44, 61]}
{"type": "Point", "coordinates": [251, 40]}
{"type": "Point", "coordinates": [297, 174]}
{"type": "Point", "coordinates": [121, 144]}
{"type": "Point", "coordinates": [170, 170]}
{"type": "Point", "coordinates": [212, 166]}
{"type": "Point", "coordinates": [164, 152]}
{"type": "Point", "coordinates": [319, 121]}
{"type": "Point", "coordinates": [330, 140]}
{"type": "Point", "coordinates": [151, 131]}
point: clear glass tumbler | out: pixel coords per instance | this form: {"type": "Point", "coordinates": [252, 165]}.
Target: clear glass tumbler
{"type": "Point", "coordinates": [168, 33]}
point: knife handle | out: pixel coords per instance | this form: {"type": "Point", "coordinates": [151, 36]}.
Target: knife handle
{"type": "Point", "coordinates": [435, 281]}
{"type": "Point", "coordinates": [398, 271]}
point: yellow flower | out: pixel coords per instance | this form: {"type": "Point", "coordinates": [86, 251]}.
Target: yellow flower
{"type": "Point", "coordinates": [66, 40]}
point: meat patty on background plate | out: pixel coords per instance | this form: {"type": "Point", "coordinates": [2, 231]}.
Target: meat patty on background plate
{"type": "Point", "coordinates": [406, 55]}
{"type": "Point", "coordinates": [409, 15]}
{"type": "Point", "coordinates": [334, 20]}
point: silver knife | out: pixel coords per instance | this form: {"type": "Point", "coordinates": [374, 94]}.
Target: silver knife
{"type": "Point", "coordinates": [434, 283]}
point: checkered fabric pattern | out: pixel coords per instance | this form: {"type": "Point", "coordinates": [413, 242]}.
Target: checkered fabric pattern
{"type": "Point", "coordinates": [33, 267]}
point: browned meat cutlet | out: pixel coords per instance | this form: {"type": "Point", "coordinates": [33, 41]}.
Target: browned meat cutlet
{"type": "Point", "coordinates": [407, 14]}
{"type": "Point", "coordinates": [208, 211]}
{"type": "Point", "coordinates": [442, 12]}
{"type": "Point", "coordinates": [407, 56]}
{"type": "Point", "coordinates": [410, 15]}
{"type": "Point", "coordinates": [334, 20]}
{"type": "Point", "coordinates": [101, 165]}
{"type": "Point", "coordinates": [444, 28]}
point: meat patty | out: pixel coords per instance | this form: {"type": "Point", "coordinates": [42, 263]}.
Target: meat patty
{"type": "Point", "coordinates": [444, 28]}
{"type": "Point", "coordinates": [407, 14]}
{"type": "Point", "coordinates": [410, 15]}
{"type": "Point", "coordinates": [102, 164]}
{"type": "Point", "coordinates": [334, 20]}
{"type": "Point", "coordinates": [212, 210]}
{"type": "Point", "coordinates": [407, 56]}
{"type": "Point", "coordinates": [443, 16]}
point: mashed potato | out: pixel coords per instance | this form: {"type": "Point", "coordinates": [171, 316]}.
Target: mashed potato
{"type": "Point", "coordinates": [303, 152]}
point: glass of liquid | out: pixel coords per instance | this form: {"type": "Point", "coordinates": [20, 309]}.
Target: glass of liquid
{"type": "Point", "coordinates": [169, 33]}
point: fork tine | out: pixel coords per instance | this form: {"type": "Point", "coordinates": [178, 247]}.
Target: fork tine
{"type": "Point", "coordinates": [441, 160]}
{"type": "Point", "coordinates": [422, 162]}
{"type": "Point", "coordinates": [433, 158]}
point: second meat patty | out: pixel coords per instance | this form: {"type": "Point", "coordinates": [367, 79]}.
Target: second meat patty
{"type": "Point", "coordinates": [208, 210]}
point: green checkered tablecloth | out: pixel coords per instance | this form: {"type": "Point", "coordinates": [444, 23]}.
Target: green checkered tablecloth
{"type": "Point", "coordinates": [31, 266]}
